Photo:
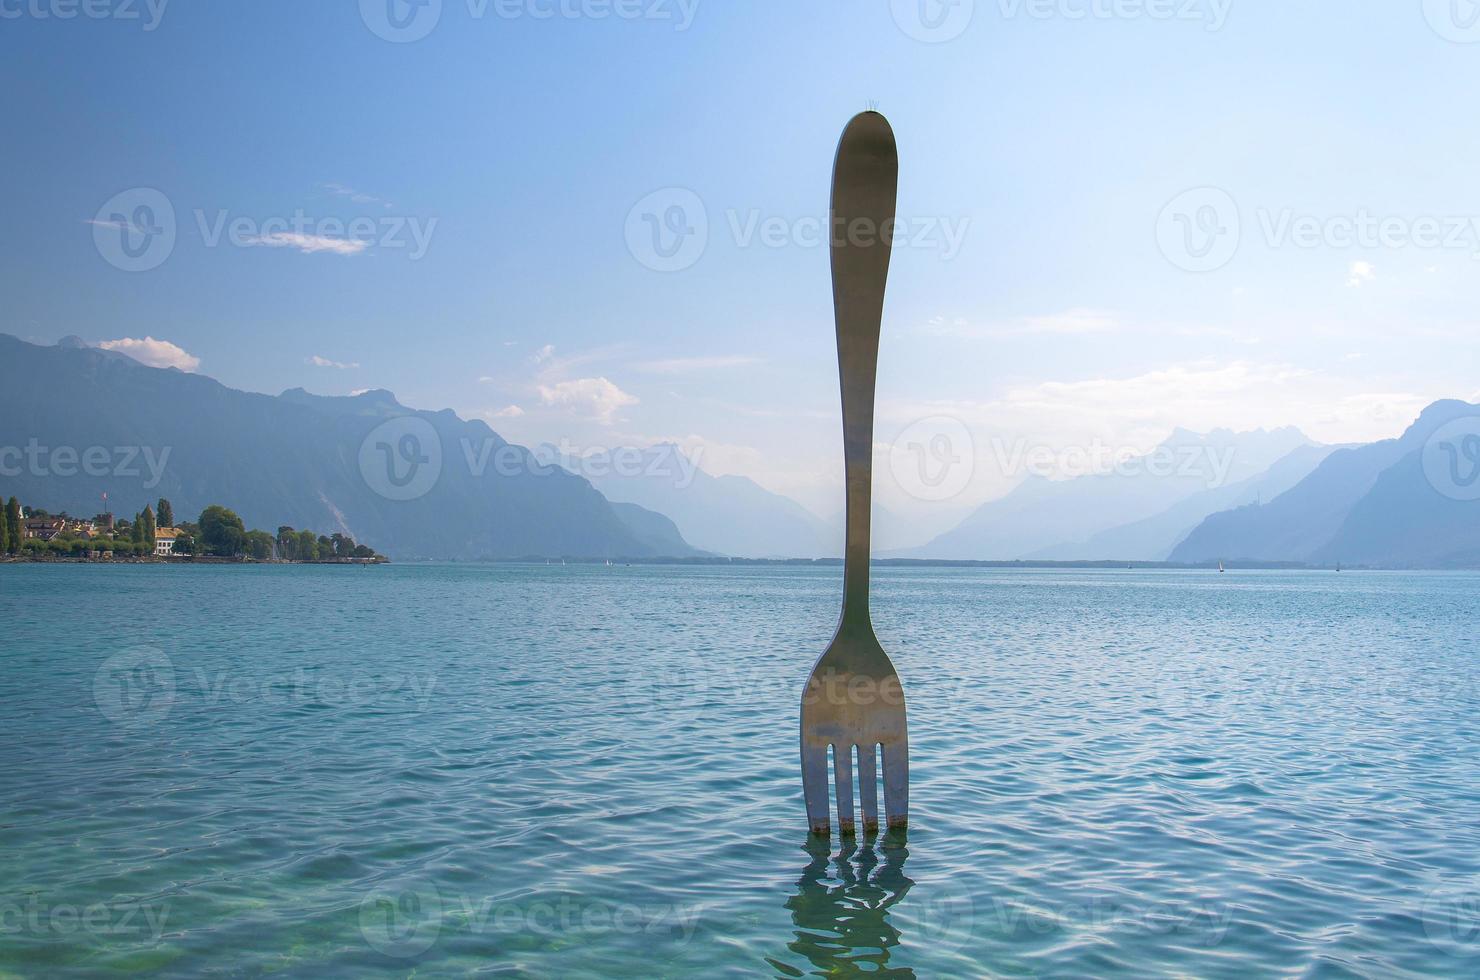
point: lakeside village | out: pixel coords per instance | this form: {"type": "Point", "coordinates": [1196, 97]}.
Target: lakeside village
{"type": "Point", "coordinates": [218, 535]}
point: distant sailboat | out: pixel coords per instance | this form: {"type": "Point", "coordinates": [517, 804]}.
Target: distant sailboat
{"type": "Point", "coordinates": [1220, 567]}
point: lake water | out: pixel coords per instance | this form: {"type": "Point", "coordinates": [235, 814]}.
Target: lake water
{"type": "Point", "coordinates": [588, 771]}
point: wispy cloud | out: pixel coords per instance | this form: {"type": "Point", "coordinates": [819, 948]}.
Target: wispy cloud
{"type": "Point", "coordinates": [324, 362]}
{"type": "Point", "coordinates": [155, 353]}
{"type": "Point", "coordinates": [309, 244]}
{"type": "Point", "coordinates": [595, 399]}
{"type": "Point", "coordinates": [509, 412]}
{"type": "Point", "coordinates": [544, 353]}
{"type": "Point", "coordinates": [686, 365]}
{"type": "Point", "coordinates": [1360, 272]}
{"type": "Point", "coordinates": [358, 197]}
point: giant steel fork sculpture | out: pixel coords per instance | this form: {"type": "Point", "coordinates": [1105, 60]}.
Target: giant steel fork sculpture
{"type": "Point", "coordinates": [853, 701]}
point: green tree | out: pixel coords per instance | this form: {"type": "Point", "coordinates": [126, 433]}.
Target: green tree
{"type": "Point", "coordinates": [222, 532]}
{"type": "Point", "coordinates": [308, 546]}
{"type": "Point", "coordinates": [326, 547]}
{"type": "Point", "coordinates": [147, 530]}
{"type": "Point", "coordinates": [259, 545]}
{"type": "Point", "coordinates": [184, 544]}
{"type": "Point", "coordinates": [165, 514]}
{"type": "Point", "coordinates": [287, 543]}
{"type": "Point", "coordinates": [12, 542]}
{"type": "Point", "coordinates": [136, 529]}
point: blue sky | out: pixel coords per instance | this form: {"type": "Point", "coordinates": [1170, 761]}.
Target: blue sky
{"type": "Point", "coordinates": [1047, 148]}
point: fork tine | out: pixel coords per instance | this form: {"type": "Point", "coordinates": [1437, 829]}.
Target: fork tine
{"type": "Point", "coordinates": [843, 769]}
{"type": "Point", "coordinates": [868, 787]}
{"type": "Point", "coordinates": [814, 786]}
{"type": "Point", "coordinates": [897, 783]}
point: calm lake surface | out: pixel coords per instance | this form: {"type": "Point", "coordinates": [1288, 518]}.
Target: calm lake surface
{"type": "Point", "coordinates": [588, 771]}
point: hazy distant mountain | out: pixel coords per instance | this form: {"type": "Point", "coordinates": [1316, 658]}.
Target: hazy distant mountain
{"type": "Point", "coordinates": [410, 484]}
{"type": "Point", "coordinates": [1154, 538]}
{"type": "Point", "coordinates": [728, 515]}
{"type": "Point", "coordinates": [1370, 504]}
{"type": "Point", "coordinates": [656, 532]}
{"type": "Point", "coordinates": [1040, 514]}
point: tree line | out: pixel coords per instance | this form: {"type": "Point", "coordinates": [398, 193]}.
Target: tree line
{"type": "Point", "coordinates": [218, 532]}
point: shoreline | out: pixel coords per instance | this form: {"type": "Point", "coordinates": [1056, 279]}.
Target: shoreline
{"type": "Point", "coordinates": [181, 560]}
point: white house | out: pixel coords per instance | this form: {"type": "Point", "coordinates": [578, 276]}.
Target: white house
{"type": "Point", "coordinates": [164, 541]}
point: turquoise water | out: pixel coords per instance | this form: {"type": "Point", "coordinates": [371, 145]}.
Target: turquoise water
{"type": "Point", "coordinates": [587, 771]}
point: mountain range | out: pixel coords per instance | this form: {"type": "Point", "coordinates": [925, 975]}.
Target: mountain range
{"type": "Point", "coordinates": [1044, 518]}
{"type": "Point", "coordinates": [726, 515]}
{"type": "Point", "coordinates": [77, 422]}
{"type": "Point", "coordinates": [412, 484]}
{"type": "Point", "coordinates": [1383, 503]}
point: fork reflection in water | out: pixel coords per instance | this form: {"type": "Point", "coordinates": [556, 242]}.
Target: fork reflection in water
{"type": "Point", "coordinates": [841, 907]}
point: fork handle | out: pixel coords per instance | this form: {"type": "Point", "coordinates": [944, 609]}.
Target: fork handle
{"type": "Point", "coordinates": [861, 227]}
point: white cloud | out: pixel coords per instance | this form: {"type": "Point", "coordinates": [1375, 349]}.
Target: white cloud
{"type": "Point", "coordinates": [590, 398]}
{"type": "Point", "coordinates": [544, 353]}
{"type": "Point", "coordinates": [509, 412]}
{"type": "Point", "coordinates": [324, 362]}
{"type": "Point", "coordinates": [309, 244]}
{"type": "Point", "coordinates": [1360, 273]}
{"type": "Point", "coordinates": [683, 365]}
{"type": "Point", "coordinates": [487, 379]}
{"type": "Point", "coordinates": [358, 197]}
{"type": "Point", "coordinates": [155, 353]}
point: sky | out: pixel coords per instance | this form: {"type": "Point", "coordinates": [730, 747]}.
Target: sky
{"type": "Point", "coordinates": [595, 223]}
